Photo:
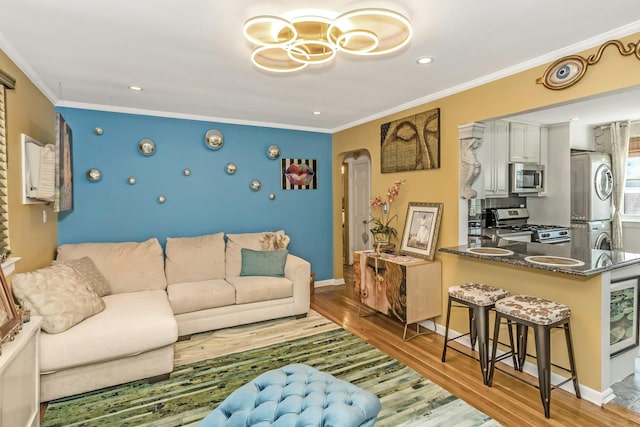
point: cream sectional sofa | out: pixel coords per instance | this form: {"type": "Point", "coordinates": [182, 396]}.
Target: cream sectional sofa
{"type": "Point", "coordinates": [202, 286]}
{"type": "Point", "coordinates": [207, 290]}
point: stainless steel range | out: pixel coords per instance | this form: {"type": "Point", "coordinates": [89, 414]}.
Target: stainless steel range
{"type": "Point", "coordinates": [511, 223]}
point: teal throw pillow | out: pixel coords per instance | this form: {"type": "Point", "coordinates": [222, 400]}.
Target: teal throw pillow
{"type": "Point", "coordinates": [263, 263]}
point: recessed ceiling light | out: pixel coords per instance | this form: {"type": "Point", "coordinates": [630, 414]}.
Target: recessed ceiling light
{"type": "Point", "coordinates": [136, 88]}
{"type": "Point", "coordinates": [317, 113]}
{"type": "Point", "coordinates": [424, 60]}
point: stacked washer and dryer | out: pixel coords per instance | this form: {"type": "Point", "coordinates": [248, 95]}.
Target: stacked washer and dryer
{"type": "Point", "coordinates": [591, 200]}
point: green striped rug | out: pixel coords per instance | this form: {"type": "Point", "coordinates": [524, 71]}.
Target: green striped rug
{"type": "Point", "coordinates": [193, 390]}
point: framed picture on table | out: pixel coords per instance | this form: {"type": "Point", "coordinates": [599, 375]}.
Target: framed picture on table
{"type": "Point", "coordinates": [9, 318]}
{"type": "Point", "coordinates": [421, 228]}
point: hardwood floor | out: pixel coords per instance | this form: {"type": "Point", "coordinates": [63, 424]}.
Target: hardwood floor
{"type": "Point", "coordinates": [509, 401]}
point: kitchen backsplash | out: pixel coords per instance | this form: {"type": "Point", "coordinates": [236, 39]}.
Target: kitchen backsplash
{"type": "Point", "coordinates": [476, 206]}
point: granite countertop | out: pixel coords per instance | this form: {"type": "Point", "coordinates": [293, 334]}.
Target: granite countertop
{"type": "Point", "coordinates": [564, 259]}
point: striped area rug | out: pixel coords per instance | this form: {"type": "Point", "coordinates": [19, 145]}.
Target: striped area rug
{"type": "Point", "coordinates": [194, 389]}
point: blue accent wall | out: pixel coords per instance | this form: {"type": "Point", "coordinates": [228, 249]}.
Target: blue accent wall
{"type": "Point", "coordinates": [207, 201]}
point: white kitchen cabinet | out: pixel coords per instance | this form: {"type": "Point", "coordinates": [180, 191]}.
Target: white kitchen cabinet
{"type": "Point", "coordinates": [580, 136]}
{"type": "Point", "coordinates": [524, 143]}
{"type": "Point", "coordinates": [494, 157]}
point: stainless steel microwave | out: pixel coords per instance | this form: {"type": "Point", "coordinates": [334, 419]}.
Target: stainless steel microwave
{"type": "Point", "coordinates": [527, 178]}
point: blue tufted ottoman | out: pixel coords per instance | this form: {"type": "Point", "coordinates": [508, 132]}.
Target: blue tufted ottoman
{"type": "Point", "coordinates": [296, 396]}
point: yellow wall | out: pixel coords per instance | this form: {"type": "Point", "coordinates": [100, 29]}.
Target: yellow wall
{"type": "Point", "coordinates": [507, 96]}
{"type": "Point", "coordinates": [30, 112]}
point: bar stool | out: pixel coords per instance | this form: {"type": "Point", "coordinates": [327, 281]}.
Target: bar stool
{"type": "Point", "coordinates": [542, 315]}
{"type": "Point", "coordinates": [479, 299]}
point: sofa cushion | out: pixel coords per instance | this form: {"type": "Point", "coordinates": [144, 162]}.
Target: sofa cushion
{"type": "Point", "coordinates": [88, 270]}
{"type": "Point", "coordinates": [193, 296]}
{"type": "Point", "coordinates": [260, 288]}
{"type": "Point", "coordinates": [233, 255]}
{"type": "Point", "coordinates": [127, 266]}
{"type": "Point", "coordinates": [59, 294]}
{"type": "Point", "coordinates": [132, 323]}
{"type": "Point", "coordinates": [193, 259]}
{"type": "Point", "coordinates": [263, 263]}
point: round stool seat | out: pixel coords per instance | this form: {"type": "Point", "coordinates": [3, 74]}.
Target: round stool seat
{"type": "Point", "coordinates": [533, 309]}
{"type": "Point", "coordinates": [477, 293]}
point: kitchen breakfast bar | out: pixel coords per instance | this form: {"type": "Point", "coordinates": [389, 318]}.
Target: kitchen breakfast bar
{"type": "Point", "coordinates": [600, 287]}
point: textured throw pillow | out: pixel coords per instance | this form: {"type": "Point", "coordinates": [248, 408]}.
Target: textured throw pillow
{"type": "Point", "coordinates": [89, 272]}
{"type": "Point", "coordinates": [263, 263]}
{"type": "Point", "coordinates": [274, 241]}
{"type": "Point", "coordinates": [59, 294]}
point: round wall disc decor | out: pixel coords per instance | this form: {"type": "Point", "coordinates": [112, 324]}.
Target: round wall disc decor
{"type": "Point", "coordinates": [256, 185]}
{"type": "Point", "coordinates": [231, 168]}
{"type": "Point", "coordinates": [213, 139]}
{"type": "Point", "coordinates": [273, 152]}
{"type": "Point", "coordinates": [94, 175]}
{"type": "Point", "coordinates": [146, 147]}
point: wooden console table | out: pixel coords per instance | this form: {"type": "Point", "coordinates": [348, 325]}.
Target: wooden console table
{"type": "Point", "coordinates": [406, 288]}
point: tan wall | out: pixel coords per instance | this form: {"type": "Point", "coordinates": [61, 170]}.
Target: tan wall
{"type": "Point", "coordinates": [507, 96]}
{"type": "Point", "coordinates": [30, 112]}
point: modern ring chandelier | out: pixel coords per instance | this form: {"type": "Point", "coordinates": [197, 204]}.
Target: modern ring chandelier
{"type": "Point", "coordinates": [286, 45]}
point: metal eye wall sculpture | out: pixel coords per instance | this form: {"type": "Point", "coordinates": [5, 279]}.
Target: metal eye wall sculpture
{"type": "Point", "coordinates": [567, 71]}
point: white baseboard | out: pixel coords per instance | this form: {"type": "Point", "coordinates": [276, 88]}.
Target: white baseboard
{"type": "Point", "coordinates": [329, 282]}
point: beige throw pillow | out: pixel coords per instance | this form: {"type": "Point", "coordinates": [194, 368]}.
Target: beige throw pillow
{"type": "Point", "coordinates": [89, 272]}
{"type": "Point", "coordinates": [59, 294]}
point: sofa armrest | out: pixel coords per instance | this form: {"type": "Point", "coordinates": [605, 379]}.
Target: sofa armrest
{"type": "Point", "coordinates": [298, 271]}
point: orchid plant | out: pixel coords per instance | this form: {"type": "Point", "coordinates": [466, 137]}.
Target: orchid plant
{"type": "Point", "coordinates": [381, 222]}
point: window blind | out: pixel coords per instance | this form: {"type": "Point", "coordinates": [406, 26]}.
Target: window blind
{"type": "Point", "coordinates": [6, 82]}
{"type": "Point", "coordinates": [634, 146]}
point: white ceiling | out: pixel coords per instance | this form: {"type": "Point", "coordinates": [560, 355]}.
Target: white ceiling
{"type": "Point", "coordinates": [192, 60]}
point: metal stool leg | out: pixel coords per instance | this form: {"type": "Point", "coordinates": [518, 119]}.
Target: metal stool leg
{"type": "Point", "coordinates": [572, 361]}
{"type": "Point", "coordinates": [511, 343]}
{"type": "Point", "coordinates": [543, 354]}
{"type": "Point", "coordinates": [494, 348]}
{"type": "Point", "coordinates": [481, 315]}
{"type": "Point", "coordinates": [446, 331]}
{"type": "Point", "coordinates": [522, 335]}
{"type": "Point", "coordinates": [473, 330]}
